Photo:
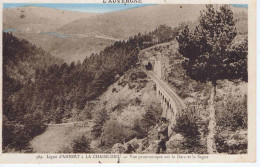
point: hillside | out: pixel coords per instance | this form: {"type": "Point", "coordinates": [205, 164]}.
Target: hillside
{"type": "Point", "coordinates": [131, 105]}
{"type": "Point", "coordinates": [71, 48]}
{"type": "Point", "coordinates": [35, 23]}
{"type": "Point", "coordinates": [124, 24]}
{"type": "Point", "coordinates": [21, 59]}
{"type": "Point", "coordinates": [231, 100]}
{"type": "Point", "coordinates": [21, 63]}
{"type": "Point", "coordinates": [72, 36]}
{"type": "Point", "coordinates": [38, 85]}
{"type": "Point", "coordinates": [45, 99]}
{"type": "Point", "coordinates": [125, 104]}
{"type": "Point", "coordinates": [39, 19]}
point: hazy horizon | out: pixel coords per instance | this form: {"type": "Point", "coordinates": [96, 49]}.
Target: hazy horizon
{"type": "Point", "coordinates": [90, 8]}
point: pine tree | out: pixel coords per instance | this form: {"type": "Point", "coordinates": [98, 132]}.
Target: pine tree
{"type": "Point", "coordinates": [210, 55]}
{"type": "Point", "coordinates": [99, 121]}
{"type": "Point", "coordinates": [149, 118]}
{"type": "Point", "coordinates": [81, 145]}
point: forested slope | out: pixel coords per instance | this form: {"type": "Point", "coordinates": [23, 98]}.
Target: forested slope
{"type": "Point", "coordinates": [21, 62]}
{"type": "Point", "coordinates": [39, 89]}
{"type": "Point", "coordinates": [35, 83]}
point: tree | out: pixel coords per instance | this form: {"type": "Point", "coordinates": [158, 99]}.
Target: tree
{"type": "Point", "coordinates": [81, 145]}
{"type": "Point", "coordinates": [149, 66]}
{"type": "Point", "coordinates": [99, 121]}
{"type": "Point", "coordinates": [187, 124]}
{"type": "Point", "coordinates": [114, 132]}
{"type": "Point", "coordinates": [149, 119]}
{"type": "Point", "coordinates": [210, 55]}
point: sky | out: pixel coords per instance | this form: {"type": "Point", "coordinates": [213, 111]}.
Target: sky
{"type": "Point", "coordinates": [91, 8]}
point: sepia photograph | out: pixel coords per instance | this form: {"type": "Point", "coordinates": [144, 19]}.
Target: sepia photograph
{"type": "Point", "coordinates": [135, 78]}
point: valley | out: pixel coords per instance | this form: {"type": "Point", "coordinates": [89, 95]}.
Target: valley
{"type": "Point", "coordinates": [80, 34]}
{"type": "Point", "coordinates": [77, 82]}
{"type": "Point", "coordinates": [65, 45]}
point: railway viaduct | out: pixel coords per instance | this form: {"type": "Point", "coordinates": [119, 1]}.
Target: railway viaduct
{"type": "Point", "coordinates": [172, 105]}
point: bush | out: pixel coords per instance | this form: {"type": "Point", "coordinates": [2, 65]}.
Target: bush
{"type": "Point", "coordinates": [120, 105]}
{"type": "Point", "coordinates": [136, 101]}
{"type": "Point", "coordinates": [82, 115]}
{"type": "Point", "coordinates": [187, 124]}
{"type": "Point", "coordinates": [140, 129]}
{"type": "Point", "coordinates": [137, 74]}
{"type": "Point", "coordinates": [14, 136]}
{"type": "Point", "coordinates": [113, 90]}
{"type": "Point", "coordinates": [132, 77]}
{"type": "Point", "coordinates": [114, 132]}
{"type": "Point", "coordinates": [232, 113]}
{"type": "Point", "coordinates": [81, 145]}
{"type": "Point", "coordinates": [22, 16]}
{"type": "Point", "coordinates": [18, 135]}
{"type": "Point", "coordinates": [131, 86]}
{"type": "Point", "coordinates": [150, 118]}
{"type": "Point", "coordinates": [231, 142]}
{"type": "Point", "coordinates": [99, 121]}
{"type": "Point", "coordinates": [141, 84]}
{"type": "Point", "coordinates": [231, 119]}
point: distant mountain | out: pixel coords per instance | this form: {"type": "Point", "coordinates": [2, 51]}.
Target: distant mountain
{"type": "Point", "coordinates": [69, 48]}
{"type": "Point", "coordinates": [28, 19]}
{"type": "Point", "coordinates": [32, 23]}
{"type": "Point", "coordinates": [126, 23]}
{"type": "Point", "coordinates": [73, 36]}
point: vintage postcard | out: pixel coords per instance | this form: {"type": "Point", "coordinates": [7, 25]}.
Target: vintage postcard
{"type": "Point", "coordinates": [128, 81]}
